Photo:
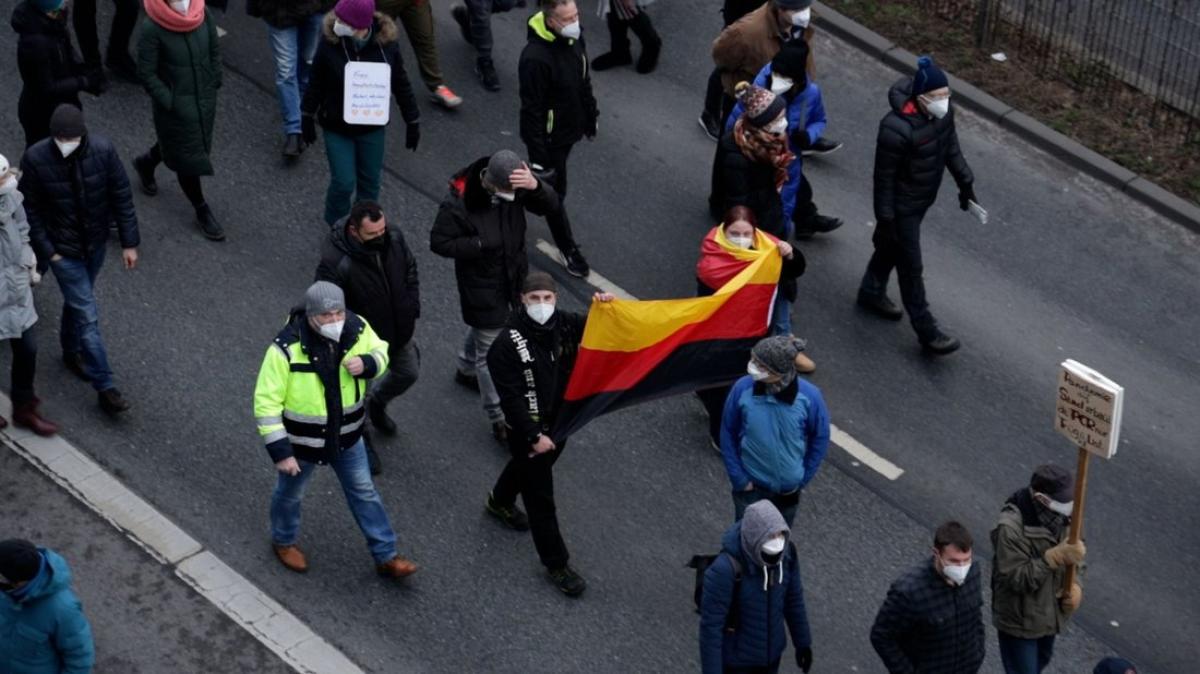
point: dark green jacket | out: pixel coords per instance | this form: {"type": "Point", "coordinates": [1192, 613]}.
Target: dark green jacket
{"type": "Point", "coordinates": [1025, 589]}
{"type": "Point", "coordinates": [182, 72]}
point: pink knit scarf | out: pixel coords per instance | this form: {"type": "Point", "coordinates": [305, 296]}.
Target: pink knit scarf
{"type": "Point", "coordinates": [162, 14]}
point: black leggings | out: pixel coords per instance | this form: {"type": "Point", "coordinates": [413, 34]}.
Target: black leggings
{"type": "Point", "coordinates": [189, 184]}
{"type": "Point", "coordinates": [24, 365]}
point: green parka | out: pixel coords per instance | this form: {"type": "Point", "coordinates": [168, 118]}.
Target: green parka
{"type": "Point", "coordinates": [182, 72]}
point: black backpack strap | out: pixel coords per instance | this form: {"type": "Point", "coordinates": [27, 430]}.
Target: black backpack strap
{"type": "Point", "coordinates": [731, 618]}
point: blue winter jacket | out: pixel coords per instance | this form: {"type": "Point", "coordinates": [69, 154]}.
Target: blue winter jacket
{"type": "Point", "coordinates": [776, 444]}
{"type": "Point", "coordinates": [42, 628]}
{"type": "Point", "coordinates": [759, 637]}
{"type": "Point", "coordinates": [806, 111]}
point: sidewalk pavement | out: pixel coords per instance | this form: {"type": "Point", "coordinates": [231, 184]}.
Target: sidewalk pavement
{"type": "Point", "coordinates": [144, 618]}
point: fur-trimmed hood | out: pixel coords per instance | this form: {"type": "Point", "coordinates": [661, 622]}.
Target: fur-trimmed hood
{"type": "Point", "coordinates": [383, 31]}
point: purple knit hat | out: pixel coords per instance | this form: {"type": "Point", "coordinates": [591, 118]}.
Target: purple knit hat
{"type": "Point", "coordinates": [358, 14]}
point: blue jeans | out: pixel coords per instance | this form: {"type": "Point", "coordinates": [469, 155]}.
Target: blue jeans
{"type": "Point", "coordinates": [294, 49]}
{"type": "Point", "coordinates": [355, 165]}
{"type": "Point", "coordinates": [781, 315]}
{"type": "Point", "coordinates": [79, 332]}
{"type": "Point", "coordinates": [1025, 656]}
{"type": "Point", "coordinates": [364, 501]}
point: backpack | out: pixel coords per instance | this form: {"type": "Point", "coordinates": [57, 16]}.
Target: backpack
{"type": "Point", "coordinates": [701, 563]}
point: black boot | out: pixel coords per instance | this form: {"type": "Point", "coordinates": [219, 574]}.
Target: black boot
{"type": "Point", "coordinates": [486, 70]}
{"type": "Point", "coordinates": [208, 223]}
{"type": "Point", "coordinates": [619, 54]}
{"type": "Point", "coordinates": [651, 42]}
{"type": "Point", "coordinates": [143, 166]}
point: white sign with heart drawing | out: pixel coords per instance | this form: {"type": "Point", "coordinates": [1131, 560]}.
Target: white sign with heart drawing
{"type": "Point", "coordinates": [366, 98]}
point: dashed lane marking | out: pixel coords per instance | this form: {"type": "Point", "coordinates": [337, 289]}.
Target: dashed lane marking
{"type": "Point", "coordinates": [842, 439]}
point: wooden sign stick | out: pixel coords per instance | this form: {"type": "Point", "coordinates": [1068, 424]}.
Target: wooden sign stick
{"type": "Point", "coordinates": [1076, 531]}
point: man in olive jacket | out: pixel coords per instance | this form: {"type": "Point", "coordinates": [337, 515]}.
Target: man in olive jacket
{"type": "Point", "coordinates": [1030, 604]}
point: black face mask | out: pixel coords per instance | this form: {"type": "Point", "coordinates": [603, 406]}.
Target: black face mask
{"type": "Point", "coordinates": [378, 244]}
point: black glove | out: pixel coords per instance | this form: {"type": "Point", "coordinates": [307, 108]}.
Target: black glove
{"type": "Point", "coordinates": [412, 136]}
{"type": "Point", "coordinates": [308, 129]}
{"type": "Point", "coordinates": [800, 140]}
{"type": "Point", "coordinates": [804, 659]}
{"type": "Point", "coordinates": [94, 82]}
{"type": "Point", "coordinates": [885, 230]}
{"type": "Point", "coordinates": [964, 195]}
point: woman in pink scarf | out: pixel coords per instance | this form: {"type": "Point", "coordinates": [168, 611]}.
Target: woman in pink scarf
{"type": "Point", "coordinates": [180, 67]}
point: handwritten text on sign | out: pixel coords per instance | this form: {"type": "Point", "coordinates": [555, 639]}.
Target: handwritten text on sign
{"type": "Point", "coordinates": [1089, 408]}
{"type": "Point", "coordinates": [367, 93]}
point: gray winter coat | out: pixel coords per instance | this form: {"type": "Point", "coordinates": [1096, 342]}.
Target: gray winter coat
{"type": "Point", "coordinates": [16, 267]}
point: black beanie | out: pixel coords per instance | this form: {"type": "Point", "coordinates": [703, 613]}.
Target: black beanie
{"type": "Point", "coordinates": [19, 561]}
{"type": "Point", "coordinates": [539, 280]}
{"type": "Point", "coordinates": [67, 122]}
{"type": "Point", "coordinates": [792, 61]}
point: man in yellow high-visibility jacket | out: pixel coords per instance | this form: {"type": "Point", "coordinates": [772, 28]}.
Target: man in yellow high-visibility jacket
{"type": "Point", "coordinates": [309, 407]}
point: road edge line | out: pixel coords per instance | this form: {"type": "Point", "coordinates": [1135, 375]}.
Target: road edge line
{"type": "Point", "coordinates": [243, 602]}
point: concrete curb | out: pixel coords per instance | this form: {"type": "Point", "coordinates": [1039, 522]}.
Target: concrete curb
{"type": "Point", "coordinates": [971, 97]}
{"type": "Point", "coordinates": [248, 606]}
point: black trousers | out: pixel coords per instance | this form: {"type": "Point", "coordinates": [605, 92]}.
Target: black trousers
{"type": "Point", "coordinates": [533, 479]}
{"type": "Point", "coordinates": [900, 249]}
{"type": "Point", "coordinates": [124, 21]}
{"type": "Point", "coordinates": [560, 225]}
{"type": "Point", "coordinates": [24, 365]}
{"type": "Point", "coordinates": [805, 211]}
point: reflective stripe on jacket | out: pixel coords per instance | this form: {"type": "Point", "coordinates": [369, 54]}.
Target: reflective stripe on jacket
{"type": "Point", "coordinates": [298, 412]}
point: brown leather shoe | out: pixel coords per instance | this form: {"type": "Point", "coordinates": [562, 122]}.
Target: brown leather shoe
{"type": "Point", "coordinates": [804, 364]}
{"type": "Point", "coordinates": [396, 567]}
{"type": "Point", "coordinates": [26, 415]}
{"type": "Point", "coordinates": [291, 557]}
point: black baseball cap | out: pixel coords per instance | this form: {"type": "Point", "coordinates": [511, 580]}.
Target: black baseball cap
{"type": "Point", "coordinates": [1053, 481]}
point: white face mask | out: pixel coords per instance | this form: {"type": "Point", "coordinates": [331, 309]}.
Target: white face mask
{"type": "Point", "coordinates": [773, 546]}
{"type": "Point", "coordinates": [778, 126]}
{"type": "Point", "coordinates": [342, 30]}
{"type": "Point", "coordinates": [938, 108]}
{"type": "Point", "coordinates": [742, 241]}
{"type": "Point", "coordinates": [1064, 509]}
{"type": "Point", "coordinates": [571, 31]}
{"type": "Point", "coordinates": [181, 6]}
{"type": "Point", "coordinates": [66, 147]}
{"type": "Point", "coordinates": [540, 312]}
{"type": "Point", "coordinates": [781, 85]}
{"type": "Point", "coordinates": [505, 196]}
{"type": "Point", "coordinates": [8, 186]}
{"type": "Point", "coordinates": [956, 574]}
{"type": "Point", "coordinates": [800, 19]}
{"type": "Point", "coordinates": [332, 331]}
{"type": "Point", "coordinates": [756, 373]}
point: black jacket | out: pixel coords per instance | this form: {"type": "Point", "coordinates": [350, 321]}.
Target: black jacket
{"type": "Point", "coordinates": [382, 287]}
{"type": "Point", "coordinates": [323, 98]}
{"type": "Point", "coordinates": [72, 202]}
{"type": "Point", "coordinates": [910, 155]}
{"type": "Point", "coordinates": [744, 182]}
{"type": "Point", "coordinates": [928, 627]}
{"type": "Point", "coordinates": [543, 354]}
{"type": "Point", "coordinates": [287, 13]}
{"type": "Point", "coordinates": [486, 238]}
{"type": "Point", "coordinates": [557, 104]}
{"type": "Point", "coordinates": [51, 73]}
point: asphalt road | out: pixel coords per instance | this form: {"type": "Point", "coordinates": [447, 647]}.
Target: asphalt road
{"type": "Point", "coordinates": [1068, 268]}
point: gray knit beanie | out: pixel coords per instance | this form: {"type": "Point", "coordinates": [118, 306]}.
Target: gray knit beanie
{"type": "Point", "coordinates": [323, 296]}
{"type": "Point", "coordinates": [499, 167]}
{"type": "Point", "coordinates": [778, 354]}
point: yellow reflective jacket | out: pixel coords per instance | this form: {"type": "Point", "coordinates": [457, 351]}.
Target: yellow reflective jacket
{"type": "Point", "coordinates": [305, 403]}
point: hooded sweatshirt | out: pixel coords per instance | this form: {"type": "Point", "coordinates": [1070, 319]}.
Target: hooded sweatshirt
{"type": "Point", "coordinates": [42, 626]}
{"type": "Point", "coordinates": [767, 596]}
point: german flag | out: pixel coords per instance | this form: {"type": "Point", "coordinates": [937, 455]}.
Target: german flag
{"type": "Point", "coordinates": [634, 351]}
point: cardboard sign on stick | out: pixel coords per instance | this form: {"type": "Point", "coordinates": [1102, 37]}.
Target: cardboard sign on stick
{"type": "Point", "coordinates": [1088, 409]}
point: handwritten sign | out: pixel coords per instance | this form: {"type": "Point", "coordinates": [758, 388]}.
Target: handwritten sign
{"type": "Point", "coordinates": [1088, 408]}
{"type": "Point", "coordinates": [366, 98]}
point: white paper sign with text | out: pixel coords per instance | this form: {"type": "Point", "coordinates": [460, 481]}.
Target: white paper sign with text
{"type": "Point", "coordinates": [1088, 407]}
{"type": "Point", "coordinates": [367, 93]}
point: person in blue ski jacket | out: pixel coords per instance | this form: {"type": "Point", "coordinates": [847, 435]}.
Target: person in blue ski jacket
{"type": "Point", "coordinates": [774, 431]}
{"type": "Point", "coordinates": [42, 626]}
{"type": "Point", "coordinates": [785, 76]}
{"type": "Point", "coordinates": [750, 590]}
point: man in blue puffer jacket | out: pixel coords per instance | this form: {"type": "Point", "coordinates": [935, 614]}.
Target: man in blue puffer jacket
{"type": "Point", "coordinates": [764, 590]}
{"type": "Point", "coordinates": [775, 429]}
{"type": "Point", "coordinates": [42, 626]}
{"type": "Point", "coordinates": [785, 76]}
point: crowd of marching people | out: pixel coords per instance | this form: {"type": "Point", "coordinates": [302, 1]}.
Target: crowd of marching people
{"type": "Point", "coordinates": [347, 348]}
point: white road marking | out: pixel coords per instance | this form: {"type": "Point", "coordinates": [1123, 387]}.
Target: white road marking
{"type": "Point", "coordinates": [839, 437]}
{"type": "Point", "coordinates": [248, 606]}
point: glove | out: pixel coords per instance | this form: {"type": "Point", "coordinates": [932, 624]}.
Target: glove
{"type": "Point", "coordinates": [885, 231]}
{"type": "Point", "coordinates": [964, 195]}
{"type": "Point", "coordinates": [94, 82]}
{"type": "Point", "coordinates": [800, 140]}
{"type": "Point", "coordinates": [308, 129]}
{"type": "Point", "coordinates": [1065, 554]}
{"type": "Point", "coordinates": [412, 136]}
{"type": "Point", "coordinates": [595, 129]}
{"type": "Point", "coordinates": [1072, 599]}
{"type": "Point", "coordinates": [804, 659]}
